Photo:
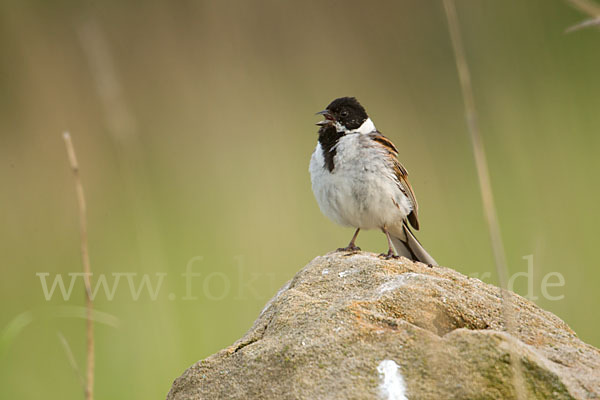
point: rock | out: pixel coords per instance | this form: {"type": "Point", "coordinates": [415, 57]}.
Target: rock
{"type": "Point", "coordinates": [360, 327]}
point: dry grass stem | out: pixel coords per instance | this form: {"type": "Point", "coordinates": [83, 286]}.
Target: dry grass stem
{"type": "Point", "coordinates": [122, 127]}
{"type": "Point", "coordinates": [477, 143]}
{"type": "Point", "coordinates": [483, 175]}
{"type": "Point", "coordinates": [89, 383]}
{"type": "Point", "coordinates": [587, 7]}
{"type": "Point", "coordinates": [585, 24]}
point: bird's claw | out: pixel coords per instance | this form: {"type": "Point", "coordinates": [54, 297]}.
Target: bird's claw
{"type": "Point", "coordinates": [349, 248]}
{"type": "Point", "coordinates": [389, 255]}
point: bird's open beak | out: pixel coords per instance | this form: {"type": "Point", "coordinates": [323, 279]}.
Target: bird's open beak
{"type": "Point", "coordinates": [328, 117]}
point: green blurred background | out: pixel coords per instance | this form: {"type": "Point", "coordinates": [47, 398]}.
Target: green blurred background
{"type": "Point", "coordinates": [194, 123]}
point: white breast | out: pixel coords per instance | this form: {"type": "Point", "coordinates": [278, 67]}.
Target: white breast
{"type": "Point", "coordinates": [362, 190]}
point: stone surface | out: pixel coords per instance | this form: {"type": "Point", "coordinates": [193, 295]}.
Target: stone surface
{"type": "Point", "coordinates": [360, 327]}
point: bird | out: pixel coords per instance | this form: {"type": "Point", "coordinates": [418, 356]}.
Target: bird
{"type": "Point", "coordinates": [358, 181]}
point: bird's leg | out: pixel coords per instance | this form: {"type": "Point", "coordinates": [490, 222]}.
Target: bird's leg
{"type": "Point", "coordinates": [390, 253]}
{"type": "Point", "coordinates": [351, 245]}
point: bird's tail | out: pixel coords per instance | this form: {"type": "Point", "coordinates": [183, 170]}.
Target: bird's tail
{"type": "Point", "coordinates": [407, 245]}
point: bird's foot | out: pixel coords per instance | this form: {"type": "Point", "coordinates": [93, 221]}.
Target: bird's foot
{"type": "Point", "coordinates": [389, 255]}
{"type": "Point", "coordinates": [350, 248]}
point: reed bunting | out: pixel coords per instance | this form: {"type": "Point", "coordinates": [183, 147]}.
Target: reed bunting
{"type": "Point", "coordinates": [358, 181]}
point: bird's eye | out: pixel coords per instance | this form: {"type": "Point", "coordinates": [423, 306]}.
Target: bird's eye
{"type": "Point", "coordinates": [344, 113]}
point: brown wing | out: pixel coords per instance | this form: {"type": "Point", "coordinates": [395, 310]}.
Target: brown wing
{"type": "Point", "coordinates": [401, 174]}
